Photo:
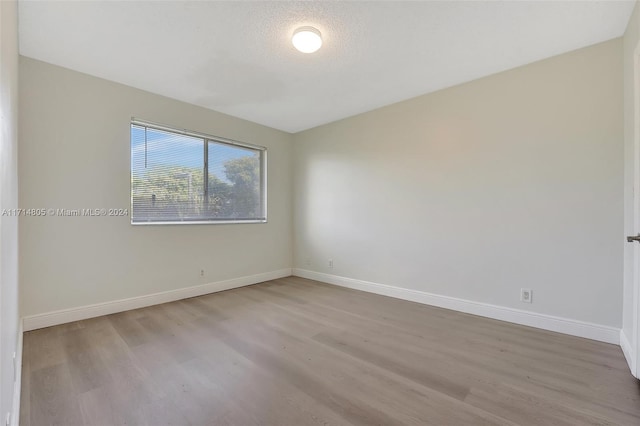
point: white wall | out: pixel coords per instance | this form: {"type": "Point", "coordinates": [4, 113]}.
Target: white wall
{"type": "Point", "coordinates": [630, 42]}
{"type": "Point", "coordinates": [510, 181]}
{"type": "Point", "coordinates": [74, 153]}
{"type": "Point", "coordinates": [8, 200]}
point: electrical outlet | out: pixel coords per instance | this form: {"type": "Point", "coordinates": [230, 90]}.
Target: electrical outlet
{"type": "Point", "coordinates": [526, 295]}
{"type": "Point", "coordinates": [307, 261]}
{"type": "Point", "coordinates": [202, 272]}
{"type": "Point", "coordinates": [331, 263]}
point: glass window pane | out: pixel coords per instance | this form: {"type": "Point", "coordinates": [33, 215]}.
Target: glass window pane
{"type": "Point", "coordinates": [166, 176]}
{"type": "Point", "coordinates": [235, 182]}
{"type": "Point", "coordinates": [171, 182]}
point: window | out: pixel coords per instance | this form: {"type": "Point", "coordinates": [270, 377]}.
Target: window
{"type": "Point", "coordinates": [185, 177]}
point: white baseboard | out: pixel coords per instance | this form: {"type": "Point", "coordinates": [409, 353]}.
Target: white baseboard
{"type": "Point", "coordinates": [547, 322]}
{"type": "Point", "coordinates": [17, 384]}
{"type": "Point", "coordinates": [627, 350]}
{"type": "Point", "coordinates": [49, 319]}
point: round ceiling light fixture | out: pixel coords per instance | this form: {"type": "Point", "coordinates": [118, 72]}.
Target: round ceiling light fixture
{"type": "Point", "coordinates": [307, 39]}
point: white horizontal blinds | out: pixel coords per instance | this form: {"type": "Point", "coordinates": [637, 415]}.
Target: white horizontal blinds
{"type": "Point", "coordinates": [172, 182]}
{"type": "Point", "coordinates": [167, 176]}
{"type": "Point", "coordinates": [235, 182]}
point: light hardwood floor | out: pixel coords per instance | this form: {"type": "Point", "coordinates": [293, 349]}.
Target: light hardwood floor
{"type": "Point", "coordinates": [297, 352]}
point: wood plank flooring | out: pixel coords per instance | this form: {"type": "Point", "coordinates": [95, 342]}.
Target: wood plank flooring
{"type": "Point", "coordinates": [297, 352]}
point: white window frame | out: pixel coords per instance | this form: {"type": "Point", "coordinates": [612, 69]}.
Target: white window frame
{"type": "Point", "coordinates": [206, 139]}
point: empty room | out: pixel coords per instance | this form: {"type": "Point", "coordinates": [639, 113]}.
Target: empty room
{"type": "Point", "coordinates": [319, 213]}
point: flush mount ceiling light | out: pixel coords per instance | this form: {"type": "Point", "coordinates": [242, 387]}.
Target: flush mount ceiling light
{"type": "Point", "coordinates": [307, 39]}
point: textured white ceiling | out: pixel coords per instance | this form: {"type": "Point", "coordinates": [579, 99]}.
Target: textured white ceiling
{"type": "Point", "coordinates": [237, 57]}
